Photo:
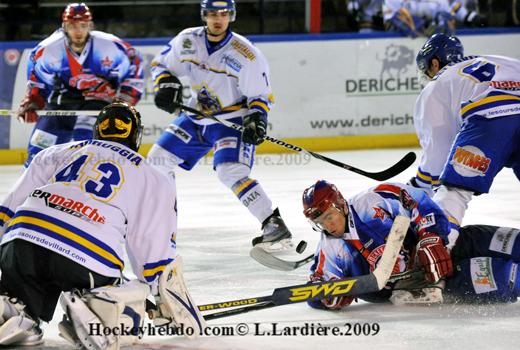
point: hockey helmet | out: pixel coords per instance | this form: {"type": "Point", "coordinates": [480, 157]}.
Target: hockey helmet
{"type": "Point", "coordinates": [320, 197]}
{"type": "Point", "coordinates": [76, 12]}
{"type": "Point", "coordinates": [119, 122]}
{"type": "Point", "coordinates": [218, 5]}
{"type": "Point", "coordinates": [444, 48]}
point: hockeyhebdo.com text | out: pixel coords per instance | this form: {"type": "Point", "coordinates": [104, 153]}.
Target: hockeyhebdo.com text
{"type": "Point", "coordinates": [282, 159]}
{"type": "Point", "coordinates": [273, 329]}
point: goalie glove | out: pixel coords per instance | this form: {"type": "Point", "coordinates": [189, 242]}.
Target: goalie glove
{"type": "Point", "coordinates": [255, 125]}
{"type": "Point", "coordinates": [335, 303]}
{"type": "Point", "coordinates": [168, 93]}
{"type": "Point", "coordinates": [434, 257]}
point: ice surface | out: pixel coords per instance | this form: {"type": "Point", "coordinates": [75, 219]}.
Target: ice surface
{"type": "Point", "coordinates": [214, 237]}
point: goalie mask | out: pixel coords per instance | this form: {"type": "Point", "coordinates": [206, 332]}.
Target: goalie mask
{"type": "Point", "coordinates": [317, 200]}
{"type": "Point", "coordinates": [219, 6]}
{"type": "Point", "coordinates": [119, 122]}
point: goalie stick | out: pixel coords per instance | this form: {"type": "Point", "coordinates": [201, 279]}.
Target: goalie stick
{"type": "Point", "coordinates": [394, 170]}
{"type": "Point", "coordinates": [350, 286]}
{"type": "Point", "coordinates": [57, 113]}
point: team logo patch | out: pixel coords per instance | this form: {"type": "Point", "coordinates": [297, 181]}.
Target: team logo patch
{"type": "Point", "coordinates": [379, 213]}
{"type": "Point", "coordinates": [106, 62]}
{"type": "Point", "coordinates": [226, 142]}
{"type": "Point", "coordinates": [482, 275]}
{"type": "Point", "coordinates": [503, 240]}
{"type": "Point", "coordinates": [179, 132]}
{"type": "Point", "coordinates": [470, 161]}
{"type": "Point", "coordinates": [375, 255]}
{"type": "Point", "coordinates": [43, 139]}
{"type": "Point", "coordinates": [186, 44]}
{"type": "Point", "coordinates": [232, 62]}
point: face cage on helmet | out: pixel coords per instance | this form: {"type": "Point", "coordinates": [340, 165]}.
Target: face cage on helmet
{"type": "Point", "coordinates": [318, 226]}
{"type": "Point", "coordinates": [204, 14]}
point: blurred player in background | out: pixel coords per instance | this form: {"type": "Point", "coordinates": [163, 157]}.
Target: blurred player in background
{"type": "Point", "coordinates": [77, 68]}
{"type": "Point", "coordinates": [425, 17]}
{"type": "Point", "coordinates": [467, 122]}
{"type": "Point", "coordinates": [65, 225]}
{"type": "Point", "coordinates": [353, 234]}
{"type": "Point", "coordinates": [229, 78]}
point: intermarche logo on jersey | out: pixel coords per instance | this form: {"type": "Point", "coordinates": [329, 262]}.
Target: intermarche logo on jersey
{"type": "Point", "coordinates": [322, 291]}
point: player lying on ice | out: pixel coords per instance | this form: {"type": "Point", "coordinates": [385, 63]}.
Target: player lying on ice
{"type": "Point", "coordinates": [64, 227]}
{"type": "Point", "coordinates": [480, 267]}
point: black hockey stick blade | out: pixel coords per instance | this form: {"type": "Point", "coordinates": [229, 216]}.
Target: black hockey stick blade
{"type": "Point", "coordinates": [276, 263]}
{"type": "Point", "coordinates": [386, 174]}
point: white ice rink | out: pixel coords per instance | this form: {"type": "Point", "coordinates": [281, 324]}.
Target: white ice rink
{"type": "Point", "coordinates": [214, 237]}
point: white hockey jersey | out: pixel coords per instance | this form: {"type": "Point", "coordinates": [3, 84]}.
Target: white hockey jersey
{"type": "Point", "coordinates": [478, 84]}
{"type": "Point", "coordinates": [226, 80]}
{"type": "Point", "coordinates": [85, 200]}
{"type": "Point", "coordinates": [425, 8]}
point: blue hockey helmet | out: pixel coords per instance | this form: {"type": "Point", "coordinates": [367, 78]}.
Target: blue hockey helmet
{"type": "Point", "coordinates": [218, 5]}
{"type": "Point", "coordinates": [444, 48]}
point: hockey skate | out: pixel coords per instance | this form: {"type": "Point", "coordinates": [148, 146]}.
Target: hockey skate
{"type": "Point", "coordinates": [275, 236]}
{"type": "Point", "coordinates": [16, 327]}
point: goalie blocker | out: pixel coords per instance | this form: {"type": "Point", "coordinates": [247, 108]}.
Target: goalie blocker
{"type": "Point", "coordinates": [110, 317]}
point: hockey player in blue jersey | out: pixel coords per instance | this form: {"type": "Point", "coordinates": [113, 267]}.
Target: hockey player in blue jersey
{"type": "Point", "coordinates": [467, 121]}
{"type": "Point", "coordinates": [77, 68]}
{"type": "Point", "coordinates": [353, 236]}
{"type": "Point", "coordinates": [229, 79]}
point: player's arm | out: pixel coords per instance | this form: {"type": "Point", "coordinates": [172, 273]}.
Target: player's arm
{"type": "Point", "coordinates": [254, 83]}
{"type": "Point", "coordinates": [166, 69]}
{"type": "Point", "coordinates": [132, 85]}
{"type": "Point", "coordinates": [436, 129]}
{"type": "Point", "coordinates": [39, 173]}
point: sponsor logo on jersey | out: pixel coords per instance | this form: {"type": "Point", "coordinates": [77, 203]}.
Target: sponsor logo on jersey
{"type": "Point", "coordinates": [187, 45]}
{"type": "Point", "coordinates": [243, 50]}
{"type": "Point", "coordinates": [322, 291]}
{"type": "Point", "coordinates": [69, 206]}
{"type": "Point", "coordinates": [226, 142]}
{"type": "Point", "coordinates": [43, 139]}
{"type": "Point", "coordinates": [250, 198]}
{"type": "Point", "coordinates": [482, 275]}
{"type": "Point", "coordinates": [232, 62]}
{"type": "Point", "coordinates": [505, 85]}
{"type": "Point", "coordinates": [396, 76]}
{"type": "Point", "coordinates": [375, 255]}
{"type": "Point", "coordinates": [503, 240]}
{"type": "Point", "coordinates": [179, 132]}
{"type": "Point", "coordinates": [427, 221]}
{"type": "Point", "coordinates": [470, 161]}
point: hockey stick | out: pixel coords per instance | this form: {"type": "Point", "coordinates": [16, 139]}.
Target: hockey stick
{"type": "Point", "coordinates": [57, 113]}
{"type": "Point", "coordinates": [276, 263]}
{"type": "Point", "coordinates": [349, 286]}
{"type": "Point", "coordinates": [394, 170]}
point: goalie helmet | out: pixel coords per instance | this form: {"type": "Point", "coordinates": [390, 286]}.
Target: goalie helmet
{"type": "Point", "coordinates": [218, 5]}
{"type": "Point", "coordinates": [320, 197]}
{"type": "Point", "coordinates": [119, 122]}
{"type": "Point", "coordinates": [445, 48]}
{"type": "Point", "coordinates": [76, 12]}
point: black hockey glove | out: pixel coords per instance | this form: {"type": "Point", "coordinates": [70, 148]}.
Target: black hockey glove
{"type": "Point", "coordinates": [169, 94]}
{"type": "Point", "coordinates": [63, 97]}
{"type": "Point", "coordinates": [255, 125]}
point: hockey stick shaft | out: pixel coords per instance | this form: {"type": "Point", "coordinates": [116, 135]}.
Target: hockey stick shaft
{"type": "Point", "coordinates": [350, 286]}
{"type": "Point", "coordinates": [56, 113]}
{"type": "Point", "coordinates": [394, 170]}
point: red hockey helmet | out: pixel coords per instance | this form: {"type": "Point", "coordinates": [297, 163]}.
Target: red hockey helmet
{"type": "Point", "coordinates": [76, 12]}
{"type": "Point", "coordinates": [320, 197]}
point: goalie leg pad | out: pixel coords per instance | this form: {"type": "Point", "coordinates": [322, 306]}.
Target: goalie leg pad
{"type": "Point", "coordinates": [16, 327]}
{"type": "Point", "coordinates": [105, 317]}
{"type": "Point", "coordinates": [175, 301]}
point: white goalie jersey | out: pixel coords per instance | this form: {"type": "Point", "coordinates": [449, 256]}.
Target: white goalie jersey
{"type": "Point", "coordinates": [85, 200]}
{"type": "Point", "coordinates": [477, 85]}
{"type": "Point", "coordinates": [226, 80]}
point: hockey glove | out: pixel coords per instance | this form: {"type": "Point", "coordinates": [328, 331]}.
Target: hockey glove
{"type": "Point", "coordinates": [434, 257]}
{"type": "Point", "coordinates": [406, 200]}
{"type": "Point", "coordinates": [336, 303]}
{"type": "Point", "coordinates": [168, 94]}
{"type": "Point", "coordinates": [255, 125]}
{"type": "Point", "coordinates": [28, 106]}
